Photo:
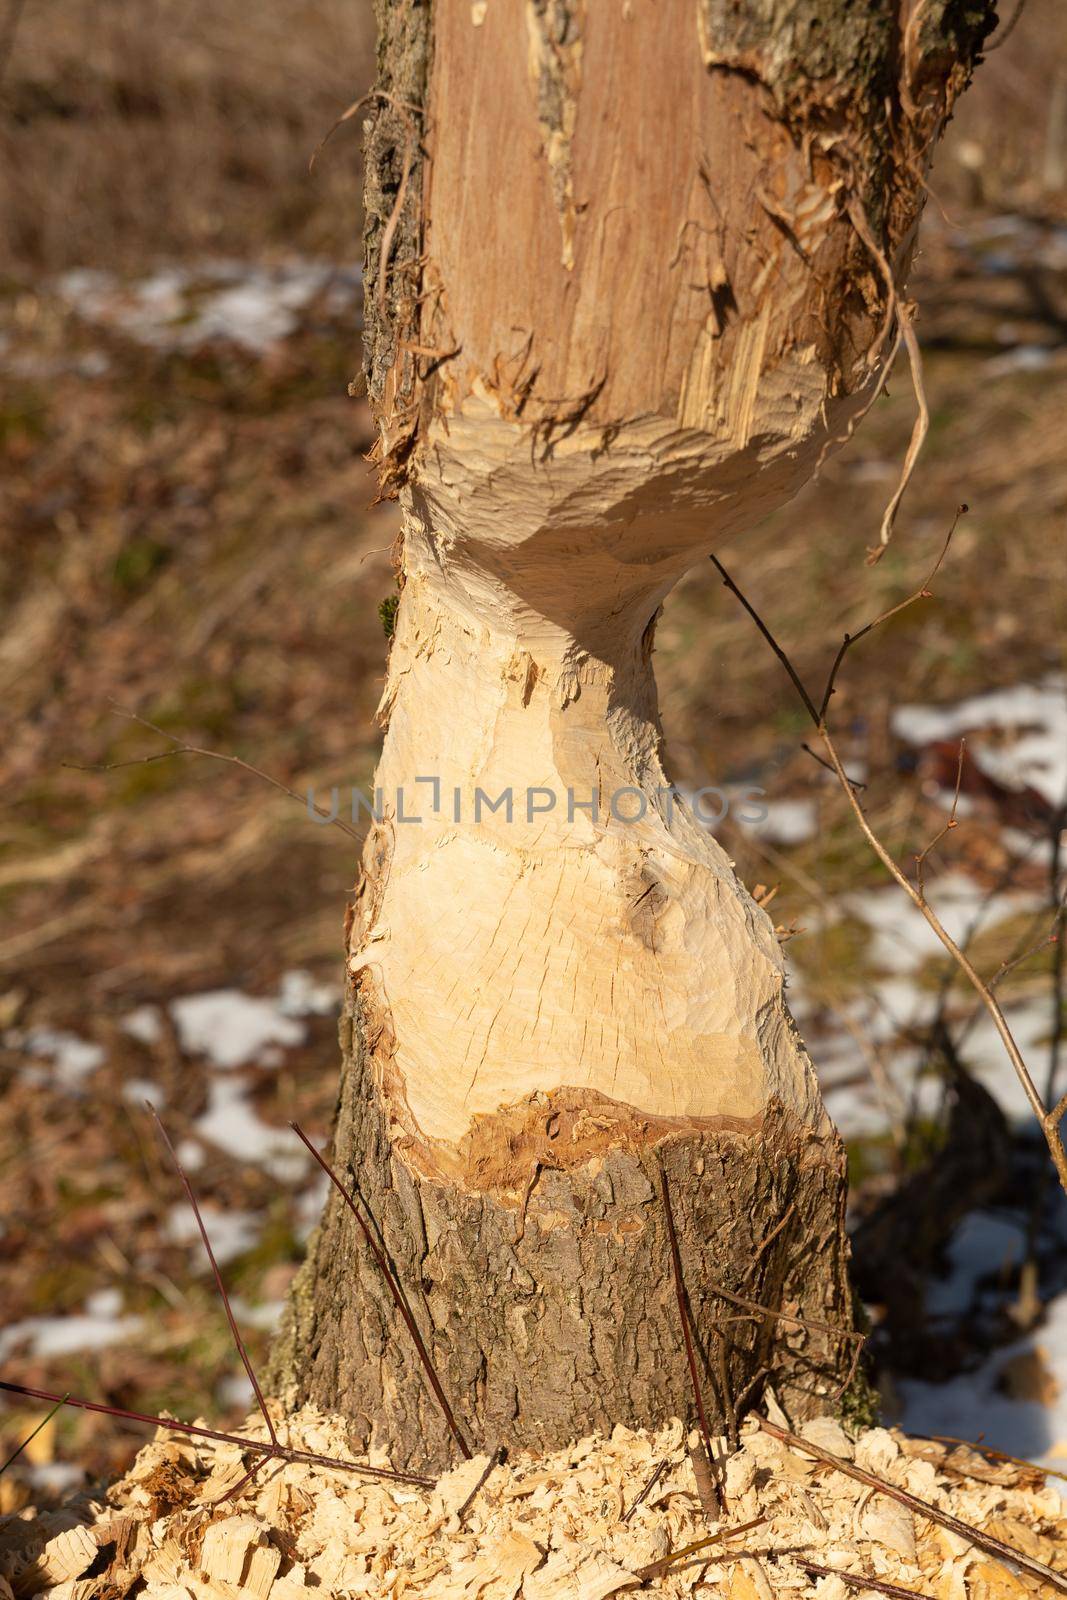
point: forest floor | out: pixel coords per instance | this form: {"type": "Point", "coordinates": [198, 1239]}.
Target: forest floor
{"type": "Point", "coordinates": [188, 535]}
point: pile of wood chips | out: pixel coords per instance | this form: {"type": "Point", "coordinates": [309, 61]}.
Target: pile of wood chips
{"type": "Point", "coordinates": [539, 1528]}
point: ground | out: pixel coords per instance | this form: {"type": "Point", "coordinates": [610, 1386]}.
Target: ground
{"type": "Point", "coordinates": [188, 534]}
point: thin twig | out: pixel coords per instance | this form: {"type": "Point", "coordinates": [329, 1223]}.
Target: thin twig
{"type": "Point", "coordinates": [180, 748]}
{"type": "Point", "coordinates": [230, 1318]}
{"type": "Point", "coordinates": [389, 231]}
{"type": "Point", "coordinates": [904, 314]}
{"type": "Point", "coordinates": [495, 1458]}
{"type": "Point", "coordinates": [684, 1316]}
{"type": "Point", "coordinates": [647, 1490]}
{"type": "Point", "coordinates": [1048, 1121]}
{"type": "Point", "coordinates": [771, 640]}
{"type": "Point", "coordinates": [856, 783]}
{"type": "Point", "coordinates": [1008, 29]}
{"type": "Point", "coordinates": [923, 592]}
{"type": "Point", "coordinates": [350, 111]}
{"type": "Point", "coordinates": [810, 1324]}
{"type": "Point", "coordinates": [655, 1568]}
{"type": "Point", "coordinates": [395, 1290]}
{"type": "Point", "coordinates": [975, 1536]}
{"type": "Point", "coordinates": [253, 1472]}
{"type": "Point", "coordinates": [769, 1237]}
{"type": "Point", "coordinates": [280, 1452]}
{"type": "Point", "coordinates": [1049, 937]}
{"type": "Point", "coordinates": [998, 1455]}
{"type": "Point", "coordinates": [860, 1580]}
{"type": "Point", "coordinates": [920, 859]}
{"type": "Point", "coordinates": [30, 1437]}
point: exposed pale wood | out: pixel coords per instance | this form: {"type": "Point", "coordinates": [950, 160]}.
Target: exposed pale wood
{"type": "Point", "coordinates": [635, 279]}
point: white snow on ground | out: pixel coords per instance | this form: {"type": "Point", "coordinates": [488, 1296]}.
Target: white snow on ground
{"type": "Point", "coordinates": [138, 1090]}
{"type": "Point", "coordinates": [267, 1314]}
{"type": "Point", "coordinates": [191, 1154]}
{"type": "Point", "coordinates": [976, 1402]}
{"type": "Point", "coordinates": [231, 1232]}
{"type": "Point", "coordinates": [233, 1125]}
{"type": "Point", "coordinates": [1033, 716]}
{"type": "Point", "coordinates": [234, 1389]}
{"type": "Point", "coordinates": [143, 1024]}
{"type": "Point", "coordinates": [301, 996]}
{"type": "Point", "coordinates": [96, 1327]}
{"type": "Point", "coordinates": [72, 1059]}
{"type": "Point", "coordinates": [983, 1243]}
{"type": "Point", "coordinates": [183, 308]}
{"type": "Point", "coordinates": [1023, 358]}
{"type": "Point", "coordinates": [896, 1004]}
{"type": "Point", "coordinates": [786, 821]}
{"type": "Point", "coordinates": [231, 1028]}
{"type": "Point", "coordinates": [903, 940]}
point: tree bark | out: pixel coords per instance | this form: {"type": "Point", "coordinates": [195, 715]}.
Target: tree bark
{"type": "Point", "coordinates": [631, 274]}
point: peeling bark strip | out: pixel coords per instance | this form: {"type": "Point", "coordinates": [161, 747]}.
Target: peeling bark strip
{"type": "Point", "coordinates": [874, 81]}
{"type": "Point", "coordinates": [393, 221]}
{"type": "Point", "coordinates": [548, 1003]}
{"type": "Point", "coordinates": [572, 1326]}
{"type": "Point", "coordinates": [555, 29]}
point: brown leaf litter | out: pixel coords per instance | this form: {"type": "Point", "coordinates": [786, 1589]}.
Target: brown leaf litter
{"type": "Point", "coordinates": [553, 1527]}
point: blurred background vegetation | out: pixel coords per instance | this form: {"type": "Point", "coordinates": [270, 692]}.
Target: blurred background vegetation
{"type": "Point", "coordinates": [187, 533]}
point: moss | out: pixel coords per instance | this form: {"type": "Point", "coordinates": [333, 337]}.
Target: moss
{"type": "Point", "coordinates": [860, 1404]}
{"type": "Point", "coordinates": [138, 561]}
{"type": "Point", "coordinates": [387, 610]}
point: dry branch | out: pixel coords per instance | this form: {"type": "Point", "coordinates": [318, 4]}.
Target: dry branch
{"type": "Point", "coordinates": [230, 1318]}
{"type": "Point", "coordinates": [656, 1568]}
{"type": "Point", "coordinates": [1048, 1121]}
{"type": "Point", "coordinates": [685, 1317]}
{"type": "Point", "coordinates": [30, 1437]}
{"type": "Point", "coordinates": [278, 1452]}
{"type": "Point", "coordinates": [859, 1580]}
{"type": "Point", "coordinates": [180, 748]}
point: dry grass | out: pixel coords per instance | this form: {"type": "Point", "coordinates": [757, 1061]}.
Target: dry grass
{"type": "Point", "coordinates": [137, 129]}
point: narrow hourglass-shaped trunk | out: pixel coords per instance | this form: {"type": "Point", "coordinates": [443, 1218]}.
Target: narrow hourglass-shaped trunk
{"type": "Point", "coordinates": [630, 277]}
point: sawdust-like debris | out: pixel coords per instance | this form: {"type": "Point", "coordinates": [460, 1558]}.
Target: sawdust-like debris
{"type": "Point", "coordinates": [532, 1528]}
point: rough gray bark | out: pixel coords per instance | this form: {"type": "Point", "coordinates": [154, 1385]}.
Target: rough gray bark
{"type": "Point", "coordinates": [551, 1312]}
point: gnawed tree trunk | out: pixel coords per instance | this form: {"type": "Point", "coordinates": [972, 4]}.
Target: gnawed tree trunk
{"type": "Point", "coordinates": [627, 284]}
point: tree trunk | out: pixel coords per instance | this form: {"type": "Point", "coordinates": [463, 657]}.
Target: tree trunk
{"type": "Point", "coordinates": [630, 276]}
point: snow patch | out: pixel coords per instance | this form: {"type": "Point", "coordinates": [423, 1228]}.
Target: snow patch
{"type": "Point", "coordinates": [232, 1233]}
{"type": "Point", "coordinates": [98, 1326]}
{"type": "Point", "coordinates": [785, 822]}
{"type": "Point", "coordinates": [1035, 715]}
{"type": "Point", "coordinates": [975, 1404]}
{"type": "Point", "coordinates": [184, 308]}
{"type": "Point", "coordinates": [231, 1028]}
{"type": "Point", "coordinates": [233, 1125]}
{"type": "Point", "coordinates": [72, 1059]}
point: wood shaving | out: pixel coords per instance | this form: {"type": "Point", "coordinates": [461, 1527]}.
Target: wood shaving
{"type": "Point", "coordinates": [535, 1528]}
